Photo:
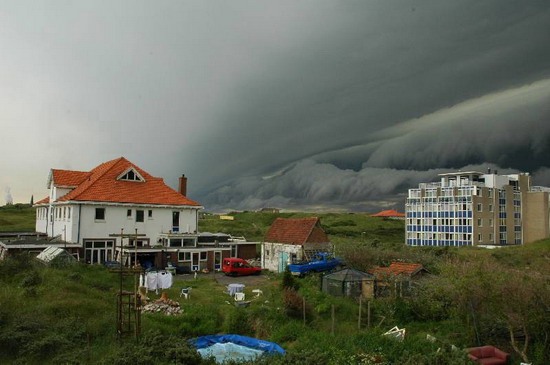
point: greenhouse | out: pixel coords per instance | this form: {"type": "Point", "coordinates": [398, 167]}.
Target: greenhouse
{"type": "Point", "coordinates": [349, 283]}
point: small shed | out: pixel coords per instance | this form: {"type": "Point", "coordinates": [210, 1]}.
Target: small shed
{"type": "Point", "coordinates": [55, 256]}
{"type": "Point", "coordinates": [349, 283]}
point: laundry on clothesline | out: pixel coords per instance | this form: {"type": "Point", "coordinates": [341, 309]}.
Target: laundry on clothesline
{"type": "Point", "coordinates": [156, 280]}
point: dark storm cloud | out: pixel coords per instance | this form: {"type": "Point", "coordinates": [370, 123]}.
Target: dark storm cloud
{"type": "Point", "coordinates": [231, 92]}
{"type": "Point", "coordinates": [408, 87]}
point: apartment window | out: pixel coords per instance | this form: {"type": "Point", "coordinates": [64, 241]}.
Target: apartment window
{"type": "Point", "coordinates": [490, 222]}
{"type": "Point", "coordinates": [139, 215]}
{"type": "Point", "coordinates": [99, 214]}
{"type": "Point", "coordinates": [479, 207]}
{"type": "Point", "coordinates": [490, 193]}
{"type": "Point", "coordinates": [490, 207]}
{"type": "Point", "coordinates": [150, 214]}
{"type": "Point", "coordinates": [480, 237]}
{"type": "Point", "coordinates": [490, 237]}
{"type": "Point", "coordinates": [204, 256]}
{"type": "Point", "coordinates": [129, 213]}
{"type": "Point", "coordinates": [184, 256]}
{"type": "Point", "coordinates": [479, 222]}
{"type": "Point", "coordinates": [479, 192]}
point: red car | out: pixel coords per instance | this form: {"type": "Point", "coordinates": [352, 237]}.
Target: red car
{"type": "Point", "coordinates": [235, 266]}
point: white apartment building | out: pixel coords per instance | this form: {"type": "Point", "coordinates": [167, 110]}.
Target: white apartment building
{"type": "Point", "coordinates": [472, 208]}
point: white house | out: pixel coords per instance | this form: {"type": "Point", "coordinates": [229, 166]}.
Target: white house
{"type": "Point", "coordinates": [292, 239]}
{"type": "Point", "coordinates": [87, 207]}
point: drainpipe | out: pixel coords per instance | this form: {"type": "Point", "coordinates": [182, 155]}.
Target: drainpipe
{"type": "Point", "coordinates": [78, 230]}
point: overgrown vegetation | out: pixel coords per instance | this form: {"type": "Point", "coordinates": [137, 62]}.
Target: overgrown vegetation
{"type": "Point", "coordinates": [470, 296]}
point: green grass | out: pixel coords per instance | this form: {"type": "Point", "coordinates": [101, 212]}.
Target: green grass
{"type": "Point", "coordinates": [18, 217]}
{"type": "Point", "coordinates": [341, 227]}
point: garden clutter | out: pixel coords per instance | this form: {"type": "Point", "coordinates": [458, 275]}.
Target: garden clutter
{"type": "Point", "coordinates": [163, 305]}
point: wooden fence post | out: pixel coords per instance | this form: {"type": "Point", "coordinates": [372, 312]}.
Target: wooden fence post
{"type": "Point", "coordinates": [360, 310]}
{"type": "Point", "coordinates": [304, 309]}
{"type": "Point", "coordinates": [332, 329]}
{"type": "Point", "coordinates": [368, 313]}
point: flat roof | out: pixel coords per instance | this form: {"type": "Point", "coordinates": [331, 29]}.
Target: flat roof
{"type": "Point", "coordinates": [460, 173]}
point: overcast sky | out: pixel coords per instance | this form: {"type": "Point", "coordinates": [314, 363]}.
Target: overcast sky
{"type": "Point", "coordinates": [325, 105]}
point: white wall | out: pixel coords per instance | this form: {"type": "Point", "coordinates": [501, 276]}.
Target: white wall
{"type": "Point", "coordinates": [116, 218]}
{"type": "Point", "coordinates": [271, 261]}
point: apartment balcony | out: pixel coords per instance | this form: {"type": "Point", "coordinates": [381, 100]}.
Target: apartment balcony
{"type": "Point", "coordinates": [432, 185]}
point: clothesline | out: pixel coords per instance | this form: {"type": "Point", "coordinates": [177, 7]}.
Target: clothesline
{"type": "Point", "coordinates": [155, 280]}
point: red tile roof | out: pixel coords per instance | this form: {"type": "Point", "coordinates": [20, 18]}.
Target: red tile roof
{"type": "Point", "coordinates": [68, 177]}
{"type": "Point", "coordinates": [46, 200]}
{"type": "Point", "coordinates": [397, 268]}
{"type": "Point", "coordinates": [388, 213]}
{"type": "Point", "coordinates": [101, 185]}
{"type": "Point", "coordinates": [296, 231]}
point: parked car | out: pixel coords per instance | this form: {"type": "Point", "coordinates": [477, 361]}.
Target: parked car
{"type": "Point", "coordinates": [236, 266]}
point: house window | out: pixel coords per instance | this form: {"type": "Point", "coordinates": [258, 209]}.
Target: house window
{"type": "Point", "coordinates": [150, 214]}
{"type": "Point", "coordinates": [175, 242]}
{"type": "Point", "coordinates": [139, 215]}
{"type": "Point", "coordinates": [184, 256]}
{"type": "Point", "coordinates": [129, 213]}
{"type": "Point", "coordinates": [69, 213]}
{"type": "Point", "coordinates": [204, 255]}
{"type": "Point", "coordinates": [99, 214]}
{"type": "Point", "coordinates": [64, 212]}
{"type": "Point", "coordinates": [490, 237]}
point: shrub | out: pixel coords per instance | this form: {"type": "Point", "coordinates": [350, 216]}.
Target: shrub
{"type": "Point", "coordinates": [237, 321]}
{"type": "Point", "coordinates": [289, 283]}
{"type": "Point", "coordinates": [31, 279]}
{"type": "Point", "coordinates": [294, 305]}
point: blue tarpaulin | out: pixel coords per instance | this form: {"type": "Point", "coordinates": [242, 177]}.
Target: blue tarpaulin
{"type": "Point", "coordinates": [211, 346]}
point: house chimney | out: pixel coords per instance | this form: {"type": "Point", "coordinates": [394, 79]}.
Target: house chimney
{"type": "Point", "coordinates": [489, 170]}
{"type": "Point", "coordinates": [183, 185]}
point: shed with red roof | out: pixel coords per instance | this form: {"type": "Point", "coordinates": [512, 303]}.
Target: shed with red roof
{"type": "Point", "coordinates": [293, 239]}
{"type": "Point", "coordinates": [396, 279]}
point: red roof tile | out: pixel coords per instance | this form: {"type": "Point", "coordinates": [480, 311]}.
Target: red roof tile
{"type": "Point", "coordinates": [46, 200]}
{"type": "Point", "coordinates": [296, 231]}
{"type": "Point", "coordinates": [388, 213]}
{"type": "Point", "coordinates": [397, 268]}
{"type": "Point", "coordinates": [68, 177]}
{"type": "Point", "coordinates": [101, 185]}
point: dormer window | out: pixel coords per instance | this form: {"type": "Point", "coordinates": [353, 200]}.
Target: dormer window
{"type": "Point", "coordinates": [131, 175]}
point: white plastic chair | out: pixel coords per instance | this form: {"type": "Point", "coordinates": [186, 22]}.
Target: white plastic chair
{"type": "Point", "coordinates": [239, 297]}
{"type": "Point", "coordinates": [258, 292]}
{"type": "Point", "coordinates": [185, 292]}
